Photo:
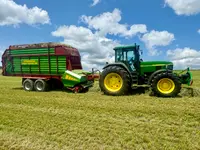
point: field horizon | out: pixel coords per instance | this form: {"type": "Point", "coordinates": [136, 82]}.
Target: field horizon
{"type": "Point", "coordinates": [61, 120]}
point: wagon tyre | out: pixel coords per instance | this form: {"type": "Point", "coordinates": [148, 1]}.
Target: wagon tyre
{"type": "Point", "coordinates": [41, 85]}
{"type": "Point", "coordinates": [28, 85]}
{"type": "Point", "coordinates": [166, 85]}
{"type": "Point", "coordinates": [115, 81]}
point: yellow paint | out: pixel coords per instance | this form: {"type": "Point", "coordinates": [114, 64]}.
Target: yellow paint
{"type": "Point", "coordinates": [154, 65]}
{"type": "Point", "coordinates": [70, 78]}
{"type": "Point", "coordinates": [166, 85]}
{"type": "Point", "coordinates": [113, 82]}
{"type": "Point", "coordinates": [29, 62]}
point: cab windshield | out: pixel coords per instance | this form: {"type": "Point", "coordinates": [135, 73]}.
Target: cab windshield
{"type": "Point", "coordinates": [124, 55]}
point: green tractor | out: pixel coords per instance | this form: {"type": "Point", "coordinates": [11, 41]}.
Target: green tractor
{"type": "Point", "coordinates": [129, 71]}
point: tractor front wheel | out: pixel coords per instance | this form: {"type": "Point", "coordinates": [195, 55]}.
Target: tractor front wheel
{"type": "Point", "coordinates": [115, 81]}
{"type": "Point", "coordinates": [166, 85]}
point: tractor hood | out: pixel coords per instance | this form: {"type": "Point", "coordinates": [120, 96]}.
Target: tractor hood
{"type": "Point", "coordinates": [152, 66]}
{"type": "Point", "coordinates": [155, 63]}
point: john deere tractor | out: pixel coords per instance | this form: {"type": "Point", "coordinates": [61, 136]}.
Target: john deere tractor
{"type": "Point", "coordinates": [129, 71]}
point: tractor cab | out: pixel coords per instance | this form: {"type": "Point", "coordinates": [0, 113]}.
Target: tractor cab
{"type": "Point", "coordinates": [128, 55]}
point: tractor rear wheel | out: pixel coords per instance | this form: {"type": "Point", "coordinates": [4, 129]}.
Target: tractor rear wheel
{"type": "Point", "coordinates": [115, 81]}
{"type": "Point", "coordinates": [166, 85]}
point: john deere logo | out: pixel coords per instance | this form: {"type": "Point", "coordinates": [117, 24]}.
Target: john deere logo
{"type": "Point", "coordinates": [29, 62]}
{"type": "Point", "coordinates": [70, 78]}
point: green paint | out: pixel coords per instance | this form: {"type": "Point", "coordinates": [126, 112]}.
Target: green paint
{"type": "Point", "coordinates": [76, 77]}
{"type": "Point", "coordinates": [35, 64]}
{"type": "Point", "coordinates": [44, 65]}
{"type": "Point", "coordinates": [129, 56]}
{"type": "Point", "coordinates": [188, 79]}
{"type": "Point", "coordinates": [81, 72]}
{"type": "Point", "coordinates": [152, 66]}
{"type": "Point", "coordinates": [125, 47]}
{"type": "Point", "coordinates": [23, 61]}
{"type": "Point", "coordinates": [71, 79]}
{"type": "Point", "coordinates": [155, 63]}
{"type": "Point", "coordinates": [8, 66]}
{"type": "Point", "coordinates": [32, 51]}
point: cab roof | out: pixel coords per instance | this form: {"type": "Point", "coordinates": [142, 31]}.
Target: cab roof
{"type": "Point", "coordinates": [126, 47]}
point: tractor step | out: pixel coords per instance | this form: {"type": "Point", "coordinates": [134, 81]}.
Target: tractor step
{"type": "Point", "coordinates": [134, 73]}
{"type": "Point", "coordinates": [134, 77]}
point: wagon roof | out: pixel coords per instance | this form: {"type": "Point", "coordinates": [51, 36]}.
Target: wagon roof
{"type": "Point", "coordinates": [39, 45]}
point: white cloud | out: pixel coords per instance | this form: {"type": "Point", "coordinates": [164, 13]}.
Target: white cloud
{"type": "Point", "coordinates": [95, 2]}
{"type": "Point", "coordinates": [198, 31]}
{"type": "Point", "coordinates": [184, 7]}
{"type": "Point", "coordinates": [186, 52]}
{"type": "Point", "coordinates": [185, 57]}
{"type": "Point", "coordinates": [157, 38]}
{"type": "Point", "coordinates": [95, 50]}
{"type": "Point", "coordinates": [108, 23]}
{"type": "Point", "coordinates": [15, 14]}
{"type": "Point", "coordinates": [92, 42]}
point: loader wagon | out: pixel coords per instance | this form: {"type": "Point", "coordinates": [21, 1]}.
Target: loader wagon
{"type": "Point", "coordinates": [45, 66]}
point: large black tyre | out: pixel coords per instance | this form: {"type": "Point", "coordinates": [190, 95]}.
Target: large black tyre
{"type": "Point", "coordinates": [28, 85]}
{"type": "Point", "coordinates": [41, 85]}
{"type": "Point", "coordinates": [166, 85]}
{"type": "Point", "coordinates": [120, 86]}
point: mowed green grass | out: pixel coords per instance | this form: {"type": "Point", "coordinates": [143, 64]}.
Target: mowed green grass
{"type": "Point", "coordinates": [60, 120]}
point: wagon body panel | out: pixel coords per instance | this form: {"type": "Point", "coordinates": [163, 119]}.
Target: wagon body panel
{"type": "Point", "coordinates": [44, 59]}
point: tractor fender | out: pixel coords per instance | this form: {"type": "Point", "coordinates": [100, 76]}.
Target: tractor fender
{"type": "Point", "coordinates": [120, 65]}
{"type": "Point", "coordinates": [157, 72]}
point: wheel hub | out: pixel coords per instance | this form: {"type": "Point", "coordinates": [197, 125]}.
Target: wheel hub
{"type": "Point", "coordinates": [39, 86]}
{"type": "Point", "coordinates": [113, 82]}
{"type": "Point", "coordinates": [27, 86]}
{"type": "Point", "coordinates": [165, 85]}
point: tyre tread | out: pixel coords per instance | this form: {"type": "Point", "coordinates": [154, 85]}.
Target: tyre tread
{"type": "Point", "coordinates": [125, 77]}
{"type": "Point", "coordinates": [170, 75]}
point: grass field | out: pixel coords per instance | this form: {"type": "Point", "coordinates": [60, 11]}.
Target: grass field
{"type": "Point", "coordinates": [61, 120]}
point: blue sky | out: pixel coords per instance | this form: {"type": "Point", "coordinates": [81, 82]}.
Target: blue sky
{"type": "Point", "coordinates": [165, 29]}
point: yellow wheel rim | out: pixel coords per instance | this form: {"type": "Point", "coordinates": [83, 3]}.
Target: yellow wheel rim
{"type": "Point", "coordinates": [113, 82]}
{"type": "Point", "coordinates": [166, 85]}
